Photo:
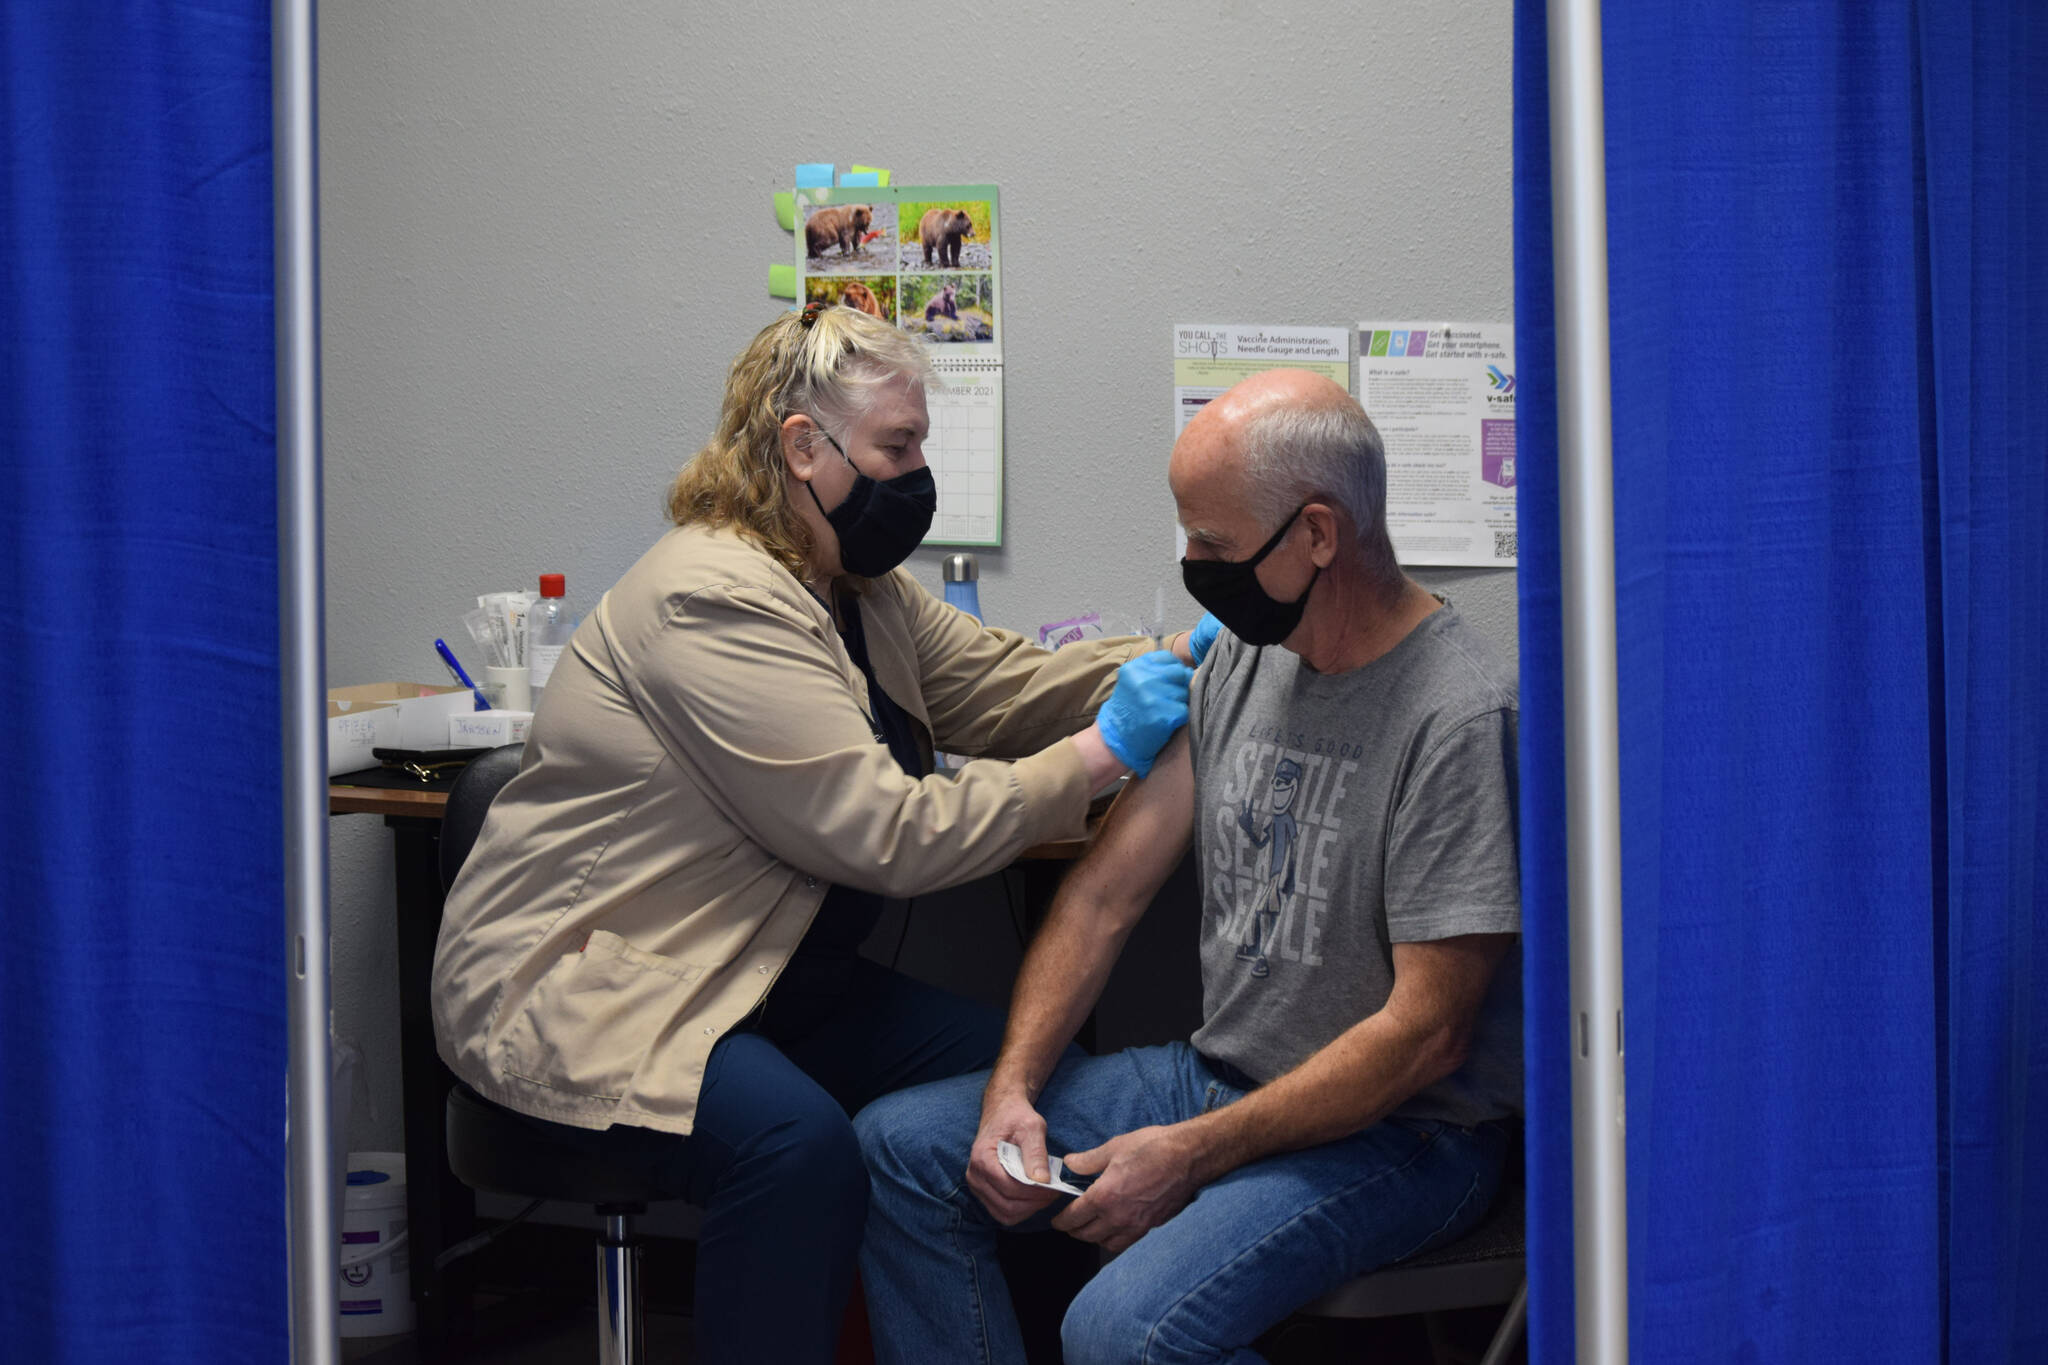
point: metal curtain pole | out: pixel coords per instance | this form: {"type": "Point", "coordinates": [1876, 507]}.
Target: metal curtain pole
{"type": "Point", "coordinates": [1578, 171]}
{"type": "Point", "coordinates": [312, 1234]}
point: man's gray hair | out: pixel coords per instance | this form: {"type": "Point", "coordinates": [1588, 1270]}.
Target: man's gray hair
{"type": "Point", "coordinates": [1297, 453]}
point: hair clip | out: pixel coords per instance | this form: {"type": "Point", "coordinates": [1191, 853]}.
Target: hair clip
{"type": "Point", "coordinates": [811, 311]}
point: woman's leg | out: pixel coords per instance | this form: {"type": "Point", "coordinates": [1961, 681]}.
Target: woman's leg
{"type": "Point", "coordinates": [890, 1031]}
{"type": "Point", "coordinates": [897, 1033]}
{"type": "Point", "coordinates": [774, 1165]}
{"type": "Point", "coordinates": [775, 1168]}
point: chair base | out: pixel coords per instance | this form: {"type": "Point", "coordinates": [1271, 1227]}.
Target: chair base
{"type": "Point", "coordinates": [1510, 1330]}
{"type": "Point", "coordinates": [621, 1314]}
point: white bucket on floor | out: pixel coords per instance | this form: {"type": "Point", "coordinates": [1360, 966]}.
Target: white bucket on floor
{"type": "Point", "coordinates": [376, 1264]}
{"type": "Point", "coordinates": [348, 1060]}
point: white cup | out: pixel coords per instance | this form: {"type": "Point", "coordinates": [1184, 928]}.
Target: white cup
{"type": "Point", "coordinates": [506, 689]}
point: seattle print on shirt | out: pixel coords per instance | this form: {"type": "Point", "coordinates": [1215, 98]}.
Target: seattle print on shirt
{"type": "Point", "coordinates": [1277, 842]}
{"type": "Point", "coordinates": [1281, 834]}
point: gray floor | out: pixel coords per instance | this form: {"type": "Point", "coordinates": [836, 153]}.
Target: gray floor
{"type": "Point", "coordinates": [1451, 1339]}
{"type": "Point", "coordinates": [536, 1306]}
{"type": "Point", "coordinates": [566, 1340]}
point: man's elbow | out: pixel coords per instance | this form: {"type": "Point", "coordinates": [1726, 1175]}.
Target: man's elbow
{"type": "Point", "coordinates": [1443, 1049]}
{"type": "Point", "coordinates": [1106, 916]}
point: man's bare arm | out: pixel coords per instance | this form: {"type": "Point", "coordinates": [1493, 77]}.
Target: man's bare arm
{"type": "Point", "coordinates": [1067, 965]}
{"type": "Point", "coordinates": [1098, 904]}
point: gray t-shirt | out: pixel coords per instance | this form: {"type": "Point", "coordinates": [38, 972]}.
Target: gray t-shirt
{"type": "Point", "coordinates": [1338, 814]}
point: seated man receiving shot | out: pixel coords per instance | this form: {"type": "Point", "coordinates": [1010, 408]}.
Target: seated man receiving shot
{"type": "Point", "coordinates": [1348, 782]}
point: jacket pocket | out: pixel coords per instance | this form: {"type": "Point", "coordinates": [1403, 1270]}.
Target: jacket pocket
{"type": "Point", "coordinates": [590, 1020]}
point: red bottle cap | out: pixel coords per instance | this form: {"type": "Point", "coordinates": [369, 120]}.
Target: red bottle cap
{"type": "Point", "coordinates": [551, 585]}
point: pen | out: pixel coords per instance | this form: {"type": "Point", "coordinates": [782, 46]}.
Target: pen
{"type": "Point", "coordinates": [448, 658]}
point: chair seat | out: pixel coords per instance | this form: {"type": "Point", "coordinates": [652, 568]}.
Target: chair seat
{"type": "Point", "coordinates": [1485, 1266]}
{"type": "Point", "coordinates": [496, 1150]}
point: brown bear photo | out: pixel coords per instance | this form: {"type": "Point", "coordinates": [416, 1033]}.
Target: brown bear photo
{"type": "Point", "coordinates": [948, 308]}
{"type": "Point", "coordinates": [874, 295]}
{"type": "Point", "coordinates": [946, 234]}
{"type": "Point", "coordinates": [859, 296]}
{"type": "Point", "coordinates": [845, 225]}
{"type": "Point", "coordinates": [941, 231]}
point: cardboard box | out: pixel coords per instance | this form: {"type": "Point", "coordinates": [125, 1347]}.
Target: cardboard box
{"type": "Point", "coordinates": [388, 715]}
{"type": "Point", "coordinates": [476, 729]}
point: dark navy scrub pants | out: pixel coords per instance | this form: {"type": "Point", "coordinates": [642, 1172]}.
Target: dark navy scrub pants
{"type": "Point", "coordinates": [773, 1163]}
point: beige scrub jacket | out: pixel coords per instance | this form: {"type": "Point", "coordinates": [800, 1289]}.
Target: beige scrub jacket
{"type": "Point", "coordinates": [700, 773]}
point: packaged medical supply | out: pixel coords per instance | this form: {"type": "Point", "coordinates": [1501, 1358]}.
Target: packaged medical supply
{"type": "Point", "coordinates": [488, 729]}
{"type": "Point", "coordinates": [389, 715]}
{"type": "Point", "coordinates": [1086, 626]}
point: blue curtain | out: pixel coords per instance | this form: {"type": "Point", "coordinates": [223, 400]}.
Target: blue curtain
{"type": "Point", "coordinates": [1826, 247]}
{"type": "Point", "coordinates": [142, 990]}
{"type": "Point", "coordinates": [1982, 118]}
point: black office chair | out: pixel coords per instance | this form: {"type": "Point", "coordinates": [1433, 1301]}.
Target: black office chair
{"type": "Point", "coordinates": [476, 786]}
{"type": "Point", "coordinates": [498, 1151]}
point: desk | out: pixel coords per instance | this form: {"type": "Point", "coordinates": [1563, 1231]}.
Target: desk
{"type": "Point", "coordinates": [441, 1210]}
{"type": "Point", "coordinates": [431, 803]}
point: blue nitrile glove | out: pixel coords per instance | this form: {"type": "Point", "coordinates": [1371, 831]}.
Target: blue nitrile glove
{"type": "Point", "coordinates": [1150, 702]}
{"type": "Point", "coordinates": [1203, 635]}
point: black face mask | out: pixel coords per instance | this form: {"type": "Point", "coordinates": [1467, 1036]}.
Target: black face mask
{"type": "Point", "coordinates": [880, 521]}
{"type": "Point", "coordinates": [1231, 590]}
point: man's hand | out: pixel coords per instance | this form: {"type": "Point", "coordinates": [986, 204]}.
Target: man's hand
{"type": "Point", "coordinates": [1009, 1117]}
{"type": "Point", "coordinates": [1147, 1176]}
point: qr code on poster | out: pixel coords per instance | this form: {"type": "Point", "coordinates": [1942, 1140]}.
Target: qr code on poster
{"type": "Point", "coordinates": [1504, 545]}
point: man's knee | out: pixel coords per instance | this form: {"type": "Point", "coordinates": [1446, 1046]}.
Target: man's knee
{"type": "Point", "coordinates": [918, 1137]}
{"type": "Point", "coordinates": [1104, 1325]}
{"type": "Point", "coordinates": [1131, 1314]}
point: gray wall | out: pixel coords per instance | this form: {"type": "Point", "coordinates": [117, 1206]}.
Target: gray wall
{"type": "Point", "coordinates": [546, 226]}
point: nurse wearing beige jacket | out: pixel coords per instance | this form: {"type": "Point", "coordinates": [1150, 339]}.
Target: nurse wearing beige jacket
{"type": "Point", "coordinates": [651, 951]}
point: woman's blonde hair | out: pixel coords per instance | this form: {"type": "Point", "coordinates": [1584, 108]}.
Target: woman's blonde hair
{"type": "Point", "coordinates": [831, 370]}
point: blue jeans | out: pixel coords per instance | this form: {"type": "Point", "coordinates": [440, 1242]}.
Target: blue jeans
{"type": "Point", "coordinates": [1249, 1249]}
{"type": "Point", "coordinates": [774, 1166]}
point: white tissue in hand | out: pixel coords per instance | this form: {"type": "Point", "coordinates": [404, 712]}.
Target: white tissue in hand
{"type": "Point", "coordinates": [1013, 1162]}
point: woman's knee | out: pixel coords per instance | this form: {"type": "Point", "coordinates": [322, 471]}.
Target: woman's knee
{"type": "Point", "coordinates": [880, 1129]}
{"type": "Point", "coordinates": [810, 1155]}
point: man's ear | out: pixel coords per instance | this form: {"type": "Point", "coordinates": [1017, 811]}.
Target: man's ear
{"type": "Point", "coordinates": [1324, 528]}
{"type": "Point", "coordinates": [798, 434]}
